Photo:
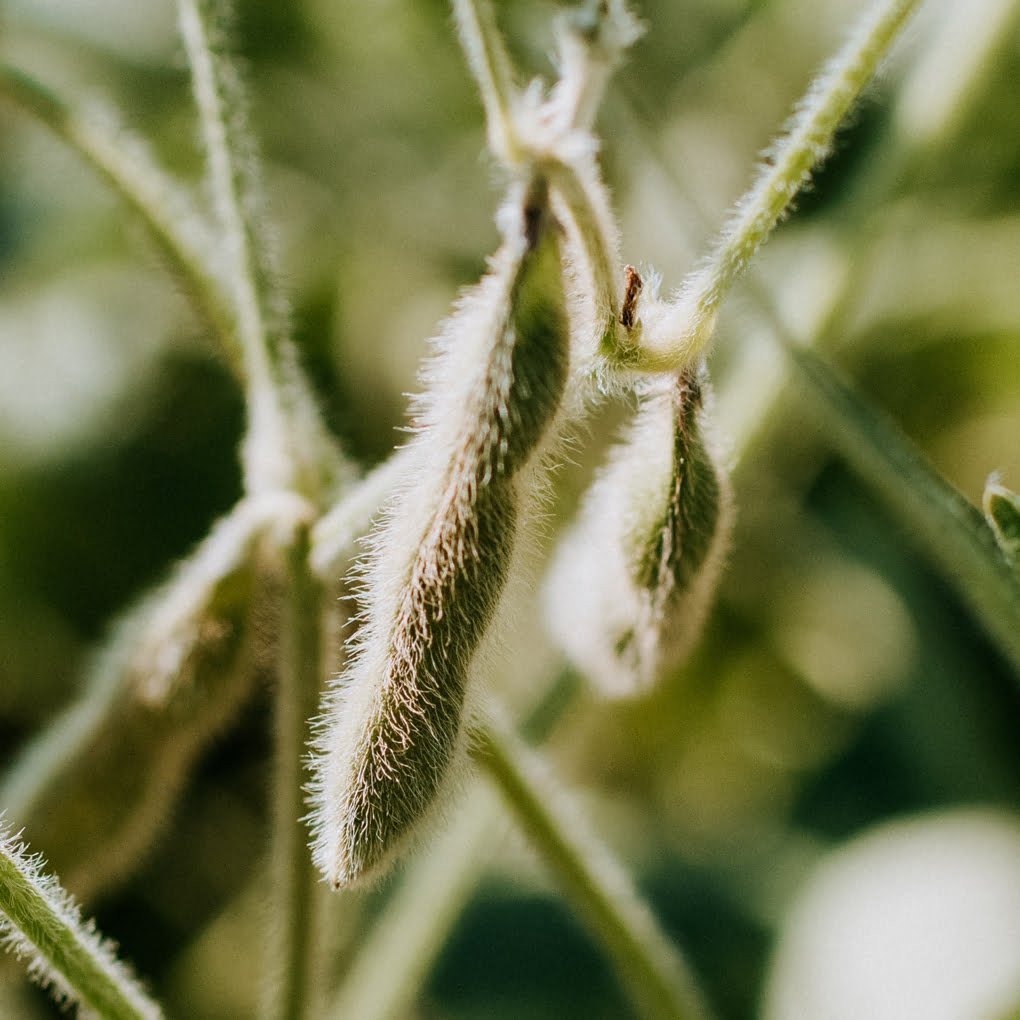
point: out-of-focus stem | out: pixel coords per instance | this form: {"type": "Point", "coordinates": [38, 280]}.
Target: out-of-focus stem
{"type": "Point", "coordinates": [648, 963]}
{"type": "Point", "coordinates": [290, 964]}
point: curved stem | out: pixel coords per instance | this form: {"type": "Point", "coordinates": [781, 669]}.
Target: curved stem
{"type": "Point", "coordinates": [555, 141]}
{"type": "Point", "coordinates": [592, 219]}
{"type": "Point", "coordinates": [39, 920]}
{"type": "Point", "coordinates": [649, 965]}
{"type": "Point", "coordinates": [683, 334]}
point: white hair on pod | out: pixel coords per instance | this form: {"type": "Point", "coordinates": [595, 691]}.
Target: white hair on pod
{"type": "Point", "coordinates": [391, 732]}
{"type": "Point", "coordinates": [630, 588]}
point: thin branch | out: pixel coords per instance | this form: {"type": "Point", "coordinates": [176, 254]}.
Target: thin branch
{"type": "Point", "coordinates": [39, 920]}
{"type": "Point", "coordinates": [591, 41]}
{"type": "Point", "coordinates": [582, 195]}
{"type": "Point", "coordinates": [553, 137]}
{"type": "Point", "coordinates": [163, 207]}
{"type": "Point", "coordinates": [649, 965]}
{"type": "Point", "coordinates": [228, 146]}
{"type": "Point", "coordinates": [683, 334]}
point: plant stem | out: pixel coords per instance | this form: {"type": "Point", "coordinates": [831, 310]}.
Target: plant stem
{"type": "Point", "coordinates": [649, 965]}
{"type": "Point", "coordinates": [493, 73]}
{"type": "Point", "coordinates": [290, 963]}
{"type": "Point", "coordinates": [683, 334]}
{"type": "Point", "coordinates": [165, 210]}
{"type": "Point", "coordinates": [585, 204]}
{"type": "Point", "coordinates": [953, 530]}
{"type": "Point", "coordinates": [285, 447]}
{"type": "Point", "coordinates": [588, 55]}
{"type": "Point", "coordinates": [65, 952]}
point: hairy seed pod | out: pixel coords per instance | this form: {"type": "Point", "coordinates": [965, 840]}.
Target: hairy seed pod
{"type": "Point", "coordinates": [96, 785]}
{"type": "Point", "coordinates": [633, 581]}
{"type": "Point", "coordinates": [392, 727]}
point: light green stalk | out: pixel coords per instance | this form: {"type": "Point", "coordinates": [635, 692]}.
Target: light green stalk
{"type": "Point", "coordinates": [552, 138]}
{"type": "Point", "coordinates": [683, 334]}
{"type": "Point", "coordinates": [39, 920]}
{"type": "Point", "coordinates": [286, 446]}
{"type": "Point", "coordinates": [647, 962]}
{"type": "Point", "coordinates": [490, 65]}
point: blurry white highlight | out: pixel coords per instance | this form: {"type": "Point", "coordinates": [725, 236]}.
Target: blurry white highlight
{"type": "Point", "coordinates": [916, 920]}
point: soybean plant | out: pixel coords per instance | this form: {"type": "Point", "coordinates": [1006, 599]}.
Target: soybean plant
{"type": "Point", "coordinates": [377, 738]}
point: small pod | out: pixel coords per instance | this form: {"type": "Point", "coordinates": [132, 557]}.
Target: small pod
{"type": "Point", "coordinates": [633, 580]}
{"type": "Point", "coordinates": [391, 731]}
{"type": "Point", "coordinates": [95, 787]}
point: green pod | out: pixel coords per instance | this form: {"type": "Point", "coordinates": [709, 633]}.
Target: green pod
{"type": "Point", "coordinates": [95, 786]}
{"type": "Point", "coordinates": [634, 578]}
{"type": "Point", "coordinates": [392, 731]}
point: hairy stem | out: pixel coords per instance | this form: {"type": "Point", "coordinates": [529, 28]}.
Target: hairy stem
{"type": "Point", "coordinates": [682, 335]}
{"type": "Point", "coordinates": [286, 446]}
{"type": "Point", "coordinates": [163, 207]}
{"type": "Point", "coordinates": [290, 963]}
{"type": "Point", "coordinates": [588, 212]}
{"type": "Point", "coordinates": [590, 46]}
{"type": "Point", "coordinates": [650, 967]}
{"type": "Point", "coordinates": [39, 920]}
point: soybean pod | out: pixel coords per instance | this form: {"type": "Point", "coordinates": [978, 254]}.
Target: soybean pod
{"type": "Point", "coordinates": [392, 731]}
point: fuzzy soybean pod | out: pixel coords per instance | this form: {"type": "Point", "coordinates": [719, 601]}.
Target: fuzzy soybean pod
{"type": "Point", "coordinates": [95, 787]}
{"type": "Point", "coordinates": [392, 732]}
{"type": "Point", "coordinates": [634, 578]}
